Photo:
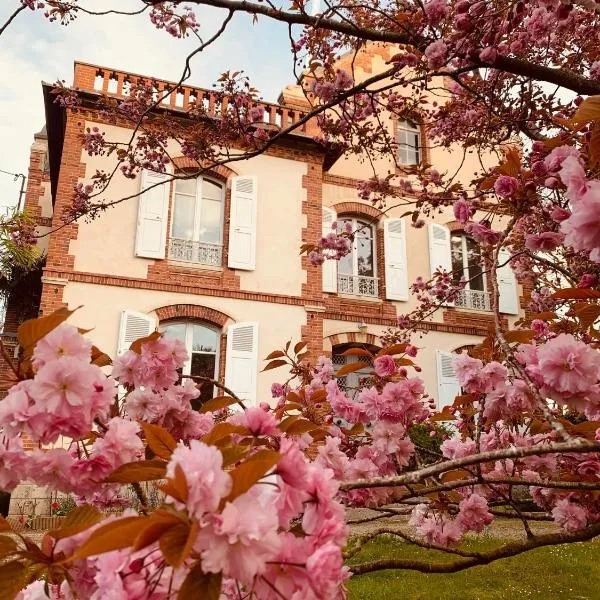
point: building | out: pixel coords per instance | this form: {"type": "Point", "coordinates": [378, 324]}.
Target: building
{"type": "Point", "coordinates": [216, 260]}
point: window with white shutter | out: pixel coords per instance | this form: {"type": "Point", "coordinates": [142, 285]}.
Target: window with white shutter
{"type": "Point", "coordinates": [242, 225]}
{"type": "Point", "coordinates": [134, 325]}
{"type": "Point", "coordinates": [439, 248]}
{"type": "Point", "coordinates": [508, 301]}
{"type": "Point", "coordinates": [396, 269]}
{"type": "Point", "coordinates": [241, 363]}
{"type": "Point", "coordinates": [329, 266]}
{"type": "Point", "coordinates": [153, 210]}
{"type": "Point", "coordinates": [448, 386]}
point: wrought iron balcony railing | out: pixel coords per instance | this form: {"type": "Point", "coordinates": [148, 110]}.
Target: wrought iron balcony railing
{"type": "Point", "coordinates": [357, 285]}
{"type": "Point", "coordinates": [199, 253]}
{"type": "Point", "coordinates": [474, 299]}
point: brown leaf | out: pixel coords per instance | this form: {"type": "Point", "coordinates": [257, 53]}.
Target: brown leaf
{"type": "Point", "coordinates": [274, 364]}
{"type": "Point", "coordinates": [160, 521]}
{"type": "Point", "coordinates": [7, 545]}
{"type": "Point", "coordinates": [78, 520]}
{"type": "Point", "coordinates": [350, 368]}
{"type": "Point", "coordinates": [137, 345]}
{"type": "Point", "coordinates": [198, 584]}
{"type": "Point", "coordinates": [357, 352]}
{"type": "Point", "coordinates": [233, 454]}
{"type": "Point", "coordinates": [217, 403]}
{"type": "Point", "coordinates": [288, 421]}
{"type": "Point", "coordinates": [576, 294]}
{"type": "Point", "coordinates": [4, 524]}
{"type": "Point", "coordinates": [299, 347]}
{"type": "Point", "coordinates": [587, 429]}
{"type": "Point", "coordinates": [318, 396]}
{"type": "Point", "coordinates": [594, 146]}
{"type": "Point", "coordinates": [161, 442]}
{"type": "Point", "coordinates": [141, 470]}
{"type": "Point", "coordinates": [455, 475]}
{"type": "Point", "coordinates": [589, 110]}
{"type": "Point", "coordinates": [248, 473]}
{"type": "Point", "coordinates": [112, 536]}
{"type": "Point", "coordinates": [588, 315]}
{"type": "Point", "coordinates": [13, 577]}
{"type": "Point", "coordinates": [300, 427]}
{"type": "Point", "coordinates": [99, 358]}
{"type": "Point", "coordinates": [275, 354]}
{"type": "Point", "coordinates": [392, 350]}
{"type": "Point", "coordinates": [523, 336]}
{"type": "Point", "coordinates": [221, 430]}
{"type": "Point", "coordinates": [176, 543]}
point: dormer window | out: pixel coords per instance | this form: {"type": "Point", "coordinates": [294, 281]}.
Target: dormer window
{"type": "Point", "coordinates": [409, 143]}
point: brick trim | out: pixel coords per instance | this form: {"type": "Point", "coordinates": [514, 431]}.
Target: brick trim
{"type": "Point", "coordinates": [221, 172]}
{"type": "Point", "coordinates": [192, 311]}
{"type": "Point", "coordinates": [349, 337]}
{"type": "Point", "coordinates": [357, 208]}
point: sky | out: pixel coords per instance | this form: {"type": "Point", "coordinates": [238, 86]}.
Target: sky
{"type": "Point", "coordinates": [33, 50]}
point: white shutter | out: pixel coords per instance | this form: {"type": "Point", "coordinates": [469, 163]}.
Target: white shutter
{"type": "Point", "coordinates": [448, 386]}
{"type": "Point", "coordinates": [241, 366]}
{"type": "Point", "coordinates": [330, 265]}
{"type": "Point", "coordinates": [134, 325]}
{"type": "Point", "coordinates": [508, 301]}
{"type": "Point", "coordinates": [242, 223]}
{"type": "Point", "coordinates": [153, 210]}
{"type": "Point", "coordinates": [439, 248]}
{"type": "Point", "coordinates": [396, 274]}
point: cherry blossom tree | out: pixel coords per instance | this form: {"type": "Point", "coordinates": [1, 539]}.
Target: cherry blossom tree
{"type": "Point", "coordinates": [253, 497]}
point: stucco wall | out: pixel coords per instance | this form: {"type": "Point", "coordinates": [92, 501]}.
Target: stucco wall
{"type": "Point", "coordinates": [102, 306]}
{"type": "Point", "coordinates": [106, 245]}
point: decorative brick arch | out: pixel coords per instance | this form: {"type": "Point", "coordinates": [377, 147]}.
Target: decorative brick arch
{"type": "Point", "coordinates": [192, 312]}
{"type": "Point", "coordinates": [357, 208]}
{"type": "Point", "coordinates": [455, 226]}
{"type": "Point", "coordinates": [221, 172]}
{"type": "Point", "coordinates": [350, 337]}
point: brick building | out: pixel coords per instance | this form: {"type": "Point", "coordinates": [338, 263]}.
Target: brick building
{"type": "Point", "coordinates": [216, 260]}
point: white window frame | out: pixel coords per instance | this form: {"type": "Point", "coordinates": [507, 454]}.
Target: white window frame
{"type": "Point", "coordinates": [189, 341]}
{"type": "Point", "coordinates": [465, 261]}
{"type": "Point", "coordinates": [197, 208]}
{"type": "Point", "coordinates": [357, 227]}
{"type": "Point", "coordinates": [409, 128]}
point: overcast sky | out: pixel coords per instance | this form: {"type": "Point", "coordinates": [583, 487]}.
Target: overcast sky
{"type": "Point", "coordinates": [33, 49]}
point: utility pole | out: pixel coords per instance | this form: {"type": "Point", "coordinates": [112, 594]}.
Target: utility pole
{"type": "Point", "coordinates": [22, 192]}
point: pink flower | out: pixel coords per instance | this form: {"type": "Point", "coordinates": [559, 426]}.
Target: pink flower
{"type": "Point", "coordinates": [581, 228]}
{"type": "Point", "coordinates": [573, 176]}
{"type": "Point", "coordinates": [588, 280]}
{"type": "Point", "coordinates": [14, 409]}
{"type": "Point", "coordinates": [482, 233]}
{"type": "Point", "coordinates": [343, 80]}
{"type": "Point", "coordinates": [389, 438]}
{"type": "Point", "coordinates": [506, 186]}
{"type": "Point", "coordinates": [206, 481]}
{"type": "Point", "coordinates": [331, 457]}
{"type": "Point", "coordinates": [120, 443]}
{"type": "Point", "coordinates": [454, 448]}
{"type": "Point", "coordinates": [292, 466]}
{"type": "Point", "coordinates": [277, 390]}
{"type": "Point", "coordinates": [326, 571]}
{"type": "Point", "coordinates": [488, 55]}
{"type": "Point", "coordinates": [436, 11]}
{"type": "Point", "coordinates": [570, 516]}
{"type": "Point", "coordinates": [384, 366]}
{"type": "Point", "coordinates": [436, 54]}
{"type": "Point", "coordinates": [241, 539]}
{"type": "Point", "coordinates": [62, 341]}
{"type": "Point", "coordinates": [14, 463]}
{"type": "Point", "coordinates": [144, 405]}
{"type": "Point", "coordinates": [568, 366]}
{"type": "Point", "coordinates": [468, 371]}
{"type": "Point", "coordinates": [462, 211]}
{"type": "Point", "coordinates": [344, 407]}
{"type": "Point", "coordinates": [540, 328]}
{"type": "Point", "coordinates": [473, 513]}
{"type": "Point", "coordinates": [543, 241]}
{"type": "Point", "coordinates": [125, 366]}
{"type": "Point", "coordinates": [555, 159]}
{"type": "Point", "coordinates": [259, 421]}
{"type": "Point", "coordinates": [559, 214]}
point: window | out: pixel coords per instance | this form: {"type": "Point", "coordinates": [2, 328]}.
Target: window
{"type": "Point", "coordinates": [197, 223]}
{"type": "Point", "coordinates": [409, 143]}
{"type": "Point", "coordinates": [356, 270]}
{"type": "Point", "coordinates": [202, 344]}
{"type": "Point", "coordinates": [467, 263]}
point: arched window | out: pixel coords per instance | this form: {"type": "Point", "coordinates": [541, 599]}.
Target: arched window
{"type": "Point", "coordinates": [352, 382]}
{"type": "Point", "coordinates": [202, 344]}
{"type": "Point", "coordinates": [197, 222]}
{"type": "Point", "coordinates": [409, 143]}
{"type": "Point", "coordinates": [357, 273]}
{"type": "Point", "coordinates": [467, 263]}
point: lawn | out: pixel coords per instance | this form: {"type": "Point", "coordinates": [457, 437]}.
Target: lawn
{"type": "Point", "coordinates": [569, 572]}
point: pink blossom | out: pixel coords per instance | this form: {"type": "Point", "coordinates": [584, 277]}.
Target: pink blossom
{"type": "Point", "coordinates": [568, 366]}
{"type": "Point", "coordinates": [326, 571]}
{"type": "Point", "coordinates": [482, 233]}
{"type": "Point", "coordinates": [292, 466]}
{"type": "Point", "coordinates": [277, 390]}
{"type": "Point", "coordinates": [14, 409]}
{"type": "Point", "coordinates": [384, 366]}
{"type": "Point", "coordinates": [588, 280]}
{"type": "Point", "coordinates": [61, 342]}
{"type": "Point", "coordinates": [468, 371]}
{"type": "Point", "coordinates": [573, 176]}
{"type": "Point", "coordinates": [120, 443]}
{"type": "Point", "coordinates": [331, 457]}
{"type": "Point", "coordinates": [436, 54]}
{"type": "Point", "coordinates": [259, 421]}
{"type": "Point", "coordinates": [595, 70]}
{"type": "Point", "coordinates": [436, 528]}
{"type": "Point", "coordinates": [570, 516]}
{"type": "Point", "coordinates": [546, 241]}
{"type": "Point", "coordinates": [540, 328]}
{"type": "Point", "coordinates": [559, 214]}
{"type": "Point", "coordinates": [343, 79]}
{"type": "Point", "coordinates": [555, 159]}
{"type": "Point", "coordinates": [344, 407]}
{"type": "Point", "coordinates": [462, 211]}
{"type": "Point", "coordinates": [14, 463]}
{"type": "Point", "coordinates": [581, 228]}
{"type": "Point", "coordinates": [473, 513]}
{"type": "Point", "coordinates": [125, 366]}
{"type": "Point", "coordinates": [506, 186]}
{"type": "Point", "coordinates": [488, 55]}
{"type": "Point", "coordinates": [144, 405]}
{"type": "Point", "coordinates": [455, 448]}
{"type": "Point", "coordinates": [241, 539]}
{"type": "Point", "coordinates": [436, 11]}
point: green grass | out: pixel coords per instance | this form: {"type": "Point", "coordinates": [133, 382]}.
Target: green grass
{"type": "Point", "coordinates": [570, 572]}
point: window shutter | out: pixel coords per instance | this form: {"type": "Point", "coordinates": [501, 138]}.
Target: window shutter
{"type": "Point", "coordinates": [396, 273]}
{"type": "Point", "coordinates": [241, 366]}
{"type": "Point", "coordinates": [134, 325]}
{"type": "Point", "coordinates": [448, 386]}
{"type": "Point", "coordinates": [329, 266]}
{"type": "Point", "coordinates": [439, 248]}
{"type": "Point", "coordinates": [508, 301]}
{"type": "Point", "coordinates": [153, 210]}
{"type": "Point", "coordinates": [242, 223]}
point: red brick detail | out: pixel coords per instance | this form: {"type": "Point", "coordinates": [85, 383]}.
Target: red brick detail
{"type": "Point", "coordinates": [221, 172]}
{"type": "Point", "coordinates": [312, 334]}
{"type": "Point", "coordinates": [7, 375]}
{"type": "Point", "coordinates": [466, 318]}
{"type": "Point", "coordinates": [455, 226]}
{"type": "Point", "coordinates": [357, 208]}
{"type": "Point", "coordinates": [192, 311]}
